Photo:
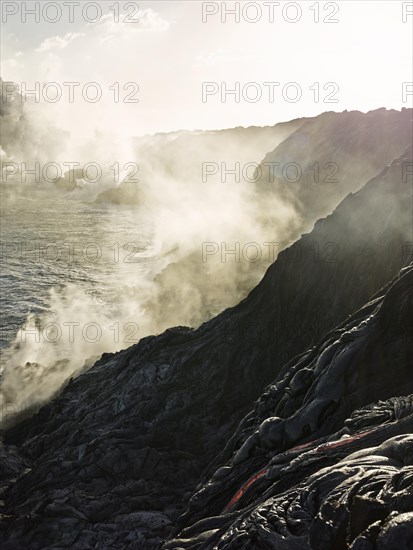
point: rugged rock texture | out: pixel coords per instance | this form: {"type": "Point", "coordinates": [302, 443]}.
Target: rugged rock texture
{"type": "Point", "coordinates": [113, 460]}
{"type": "Point", "coordinates": [297, 473]}
{"type": "Point", "coordinates": [334, 154]}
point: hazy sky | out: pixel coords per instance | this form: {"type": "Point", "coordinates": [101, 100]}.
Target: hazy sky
{"type": "Point", "coordinates": [170, 52]}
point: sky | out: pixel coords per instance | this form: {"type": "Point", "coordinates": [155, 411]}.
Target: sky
{"type": "Point", "coordinates": [168, 63]}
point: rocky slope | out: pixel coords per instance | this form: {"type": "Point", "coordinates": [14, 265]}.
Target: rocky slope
{"type": "Point", "coordinates": [113, 460]}
{"type": "Point", "coordinates": [333, 154]}
{"type": "Point", "coordinates": [348, 148]}
{"type": "Point", "coordinates": [327, 451]}
{"type": "Point", "coordinates": [177, 156]}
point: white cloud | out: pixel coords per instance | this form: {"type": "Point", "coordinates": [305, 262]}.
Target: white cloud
{"type": "Point", "coordinates": [214, 52]}
{"type": "Point", "coordinates": [145, 20]}
{"type": "Point", "coordinates": [58, 42]}
{"type": "Point", "coordinates": [152, 21]}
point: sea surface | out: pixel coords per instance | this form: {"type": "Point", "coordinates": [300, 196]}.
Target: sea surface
{"type": "Point", "coordinates": [66, 265]}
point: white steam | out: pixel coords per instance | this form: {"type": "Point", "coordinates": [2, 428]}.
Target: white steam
{"type": "Point", "coordinates": [187, 272]}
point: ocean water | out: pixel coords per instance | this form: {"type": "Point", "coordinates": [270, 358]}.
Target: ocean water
{"type": "Point", "coordinates": [79, 279]}
{"type": "Point", "coordinates": [73, 279]}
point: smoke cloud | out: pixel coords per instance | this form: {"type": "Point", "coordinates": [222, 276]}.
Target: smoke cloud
{"type": "Point", "coordinates": [204, 231]}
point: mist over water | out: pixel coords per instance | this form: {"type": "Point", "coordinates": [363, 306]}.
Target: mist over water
{"type": "Point", "coordinates": [92, 267]}
{"type": "Point", "coordinates": [63, 302]}
{"type": "Point", "coordinates": [84, 276]}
